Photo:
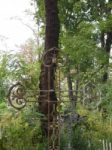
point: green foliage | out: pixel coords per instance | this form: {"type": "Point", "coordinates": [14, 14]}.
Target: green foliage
{"type": "Point", "coordinates": [82, 23]}
{"type": "Point", "coordinates": [106, 102]}
{"type": "Point", "coordinates": [40, 13]}
{"type": "Point", "coordinates": [20, 130]}
{"type": "Point", "coordinates": [88, 133]}
{"type": "Point", "coordinates": [3, 75]}
{"type": "Point", "coordinates": [106, 25]}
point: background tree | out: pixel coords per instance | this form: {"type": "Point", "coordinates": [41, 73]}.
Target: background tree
{"type": "Point", "coordinates": [83, 62]}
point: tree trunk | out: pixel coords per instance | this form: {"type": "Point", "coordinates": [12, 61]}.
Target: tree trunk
{"type": "Point", "coordinates": [47, 97]}
{"type": "Point", "coordinates": [107, 47]}
{"type": "Point", "coordinates": [106, 43]}
{"type": "Point", "coordinates": [72, 97]}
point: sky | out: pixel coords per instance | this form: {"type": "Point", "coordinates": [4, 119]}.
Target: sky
{"type": "Point", "coordinates": [13, 32]}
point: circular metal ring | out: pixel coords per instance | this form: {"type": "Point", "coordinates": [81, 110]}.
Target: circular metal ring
{"type": "Point", "coordinates": [52, 59]}
{"type": "Point", "coordinates": [16, 96]}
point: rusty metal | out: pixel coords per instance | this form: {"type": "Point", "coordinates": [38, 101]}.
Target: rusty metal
{"type": "Point", "coordinates": [16, 96]}
{"type": "Point", "coordinates": [53, 127]}
{"type": "Point", "coordinates": [18, 99]}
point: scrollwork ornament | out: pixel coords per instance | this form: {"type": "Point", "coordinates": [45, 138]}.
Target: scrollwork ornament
{"type": "Point", "coordinates": [16, 96]}
{"type": "Point", "coordinates": [51, 54]}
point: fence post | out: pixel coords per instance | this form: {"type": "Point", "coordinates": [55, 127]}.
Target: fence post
{"type": "Point", "coordinates": [110, 146]}
{"type": "Point", "coordinates": [103, 145]}
{"type": "Point", "coordinates": [106, 144]}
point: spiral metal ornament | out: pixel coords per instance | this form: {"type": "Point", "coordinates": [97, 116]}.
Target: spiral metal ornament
{"type": "Point", "coordinates": [16, 96]}
{"type": "Point", "coordinates": [51, 53]}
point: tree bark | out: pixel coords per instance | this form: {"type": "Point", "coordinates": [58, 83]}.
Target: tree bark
{"type": "Point", "coordinates": [47, 75]}
{"type": "Point", "coordinates": [72, 97]}
{"type": "Point", "coordinates": [106, 43]}
{"type": "Point", "coordinates": [107, 47]}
